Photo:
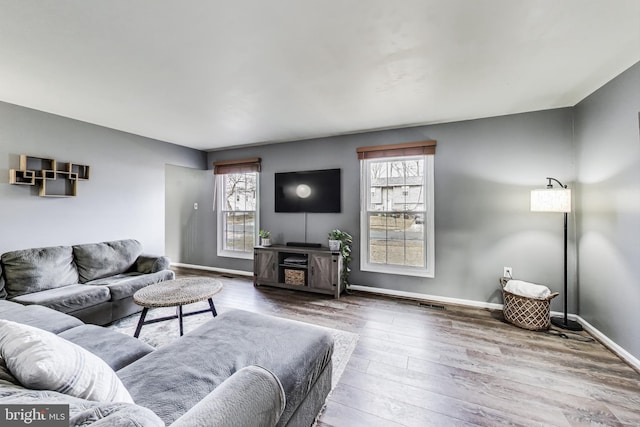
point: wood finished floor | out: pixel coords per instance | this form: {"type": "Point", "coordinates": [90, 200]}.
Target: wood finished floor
{"type": "Point", "coordinates": [416, 366]}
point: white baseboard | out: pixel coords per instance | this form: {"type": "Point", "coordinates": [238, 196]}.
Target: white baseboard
{"type": "Point", "coordinates": [425, 297]}
{"type": "Point", "coordinates": [570, 316]}
{"type": "Point", "coordinates": [606, 341]}
{"type": "Point", "coordinates": [216, 269]}
{"type": "Point", "coordinates": [610, 344]}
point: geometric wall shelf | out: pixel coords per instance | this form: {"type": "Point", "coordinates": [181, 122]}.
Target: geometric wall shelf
{"type": "Point", "coordinates": [54, 179]}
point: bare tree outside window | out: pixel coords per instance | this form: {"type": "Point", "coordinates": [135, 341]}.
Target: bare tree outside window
{"type": "Point", "coordinates": [239, 211]}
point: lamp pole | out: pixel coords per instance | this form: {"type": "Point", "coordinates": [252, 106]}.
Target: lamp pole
{"type": "Point", "coordinates": [565, 270]}
{"type": "Point", "coordinates": [564, 322]}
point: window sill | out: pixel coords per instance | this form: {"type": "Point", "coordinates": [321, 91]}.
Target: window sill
{"type": "Point", "coordinates": [397, 270]}
{"type": "Point", "coordinates": [236, 254]}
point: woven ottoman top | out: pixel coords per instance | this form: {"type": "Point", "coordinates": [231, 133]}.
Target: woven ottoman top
{"type": "Point", "coordinates": [175, 292]}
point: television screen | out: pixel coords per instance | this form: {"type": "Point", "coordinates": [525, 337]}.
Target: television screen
{"type": "Point", "coordinates": [308, 191]}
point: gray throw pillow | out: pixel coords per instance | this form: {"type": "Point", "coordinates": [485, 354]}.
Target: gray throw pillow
{"type": "Point", "coordinates": [32, 270]}
{"type": "Point", "coordinates": [99, 260]}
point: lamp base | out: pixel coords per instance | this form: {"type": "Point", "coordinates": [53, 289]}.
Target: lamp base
{"type": "Point", "coordinates": [571, 325]}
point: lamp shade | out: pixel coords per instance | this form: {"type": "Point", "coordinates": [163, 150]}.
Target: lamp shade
{"type": "Point", "coordinates": [551, 200]}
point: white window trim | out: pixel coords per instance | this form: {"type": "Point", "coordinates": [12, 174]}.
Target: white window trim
{"type": "Point", "coordinates": [220, 221]}
{"type": "Point", "coordinates": [429, 271]}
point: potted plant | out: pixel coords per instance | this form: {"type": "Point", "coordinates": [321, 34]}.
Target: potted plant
{"type": "Point", "coordinates": [334, 240]}
{"type": "Point", "coordinates": [265, 237]}
{"type": "Point", "coordinates": [344, 240]}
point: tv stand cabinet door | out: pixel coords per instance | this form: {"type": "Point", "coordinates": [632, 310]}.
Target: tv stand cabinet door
{"type": "Point", "coordinates": [323, 271]}
{"type": "Point", "coordinates": [265, 266]}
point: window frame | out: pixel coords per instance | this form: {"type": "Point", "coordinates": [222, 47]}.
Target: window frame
{"type": "Point", "coordinates": [428, 220]}
{"type": "Point", "coordinates": [220, 199]}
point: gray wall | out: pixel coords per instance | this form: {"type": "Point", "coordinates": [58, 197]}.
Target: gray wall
{"type": "Point", "coordinates": [189, 233]}
{"type": "Point", "coordinates": [484, 171]}
{"type": "Point", "coordinates": [608, 158]}
{"type": "Point", "coordinates": [123, 199]}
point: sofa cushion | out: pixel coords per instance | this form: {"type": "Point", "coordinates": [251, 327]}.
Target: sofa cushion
{"type": "Point", "coordinates": [98, 260]}
{"type": "Point", "coordinates": [83, 413]}
{"type": "Point", "coordinates": [38, 269]}
{"type": "Point", "coordinates": [67, 299]}
{"type": "Point", "coordinates": [38, 316]}
{"type": "Point", "coordinates": [44, 361]}
{"type": "Point", "coordinates": [125, 285]}
{"type": "Point", "coordinates": [297, 353]}
{"type": "Point", "coordinates": [115, 348]}
{"type": "Point", "coordinates": [9, 306]}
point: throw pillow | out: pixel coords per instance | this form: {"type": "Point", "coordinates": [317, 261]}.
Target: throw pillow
{"type": "Point", "coordinates": [100, 260]}
{"type": "Point", "coordinates": [41, 360]}
{"type": "Point", "coordinates": [32, 270]}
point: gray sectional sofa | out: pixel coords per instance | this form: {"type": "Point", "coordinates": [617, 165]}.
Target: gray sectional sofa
{"type": "Point", "coordinates": [239, 369]}
{"type": "Point", "coordinates": [93, 282]}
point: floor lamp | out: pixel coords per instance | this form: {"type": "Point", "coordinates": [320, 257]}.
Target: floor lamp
{"type": "Point", "coordinates": [553, 199]}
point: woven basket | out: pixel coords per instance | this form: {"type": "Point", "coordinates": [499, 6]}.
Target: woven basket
{"type": "Point", "coordinates": [527, 313]}
{"type": "Point", "coordinates": [294, 277]}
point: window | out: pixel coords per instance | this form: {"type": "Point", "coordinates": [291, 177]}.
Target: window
{"type": "Point", "coordinates": [397, 212]}
{"type": "Point", "coordinates": [237, 204]}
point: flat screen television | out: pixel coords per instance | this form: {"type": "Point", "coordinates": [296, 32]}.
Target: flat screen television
{"type": "Point", "coordinates": [316, 191]}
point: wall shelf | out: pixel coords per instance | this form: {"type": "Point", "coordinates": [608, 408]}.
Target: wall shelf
{"type": "Point", "coordinates": [81, 171]}
{"type": "Point", "coordinates": [20, 177]}
{"type": "Point", "coordinates": [54, 179]}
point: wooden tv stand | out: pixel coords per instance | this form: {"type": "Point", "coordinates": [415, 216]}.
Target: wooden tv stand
{"type": "Point", "coordinates": [318, 270]}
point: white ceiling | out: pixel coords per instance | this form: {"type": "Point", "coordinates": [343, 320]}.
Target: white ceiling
{"type": "Point", "coordinates": [210, 74]}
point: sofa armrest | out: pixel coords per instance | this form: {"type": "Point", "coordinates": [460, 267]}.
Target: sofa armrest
{"type": "Point", "coordinates": [253, 396]}
{"type": "Point", "coordinates": [151, 264]}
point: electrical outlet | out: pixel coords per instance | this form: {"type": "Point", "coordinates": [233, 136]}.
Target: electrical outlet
{"type": "Point", "coordinates": [507, 272]}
